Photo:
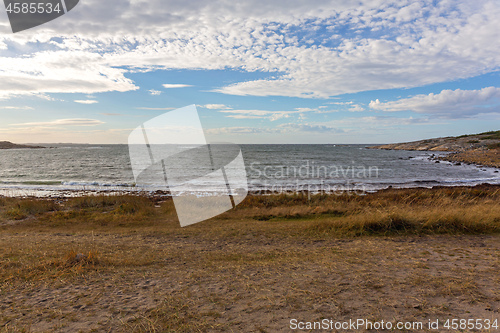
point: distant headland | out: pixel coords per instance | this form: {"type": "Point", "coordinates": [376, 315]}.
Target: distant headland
{"type": "Point", "coordinates": [480, 149]}
{"type": "Point", "coordinates": [486, 140]}
{"type": "Point", "coordinates": [10, 145]}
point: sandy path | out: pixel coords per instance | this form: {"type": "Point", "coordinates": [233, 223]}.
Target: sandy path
{"type": "Point", "coordinates": [257, 285]}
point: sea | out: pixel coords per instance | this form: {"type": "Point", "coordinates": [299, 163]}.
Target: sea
{"type": "Point", "coordinates": [71, 169]}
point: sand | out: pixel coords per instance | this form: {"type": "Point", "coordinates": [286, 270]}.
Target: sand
{"type": "Point", "coordinates": [254, 283]}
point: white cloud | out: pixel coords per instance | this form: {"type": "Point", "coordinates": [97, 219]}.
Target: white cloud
{"type": "Point", "coordinates": [310, 128]}
{"type": "Point", "coordinates": [16, 107]}
{"type": "Point", "coordinates": [47, 72]}
{"type": "Point", "coordinates": [154, 109]}
{"type": "Point", "coordinates": [277, 116]}
{"type": "Point", "coordinates": [282, 128]}
{"type": "Point", "coordinates": [154, 92]}
{"type": "Point", "coordinates": [240, 130]}
{"type": "Point", "coordinates": [62, 134]}
{"type": "Point", "coordinates": [441, 43]}
{"type": "Point", "coordinates": [111, 114]}
{"type": "Point", "coordinates": [272, 115]}
{"type": "Point", "coordinates": [448, 103]}
{"type": "Point", "coordinates": [86, 101]}
{"type": "Point", "coordinates": [216, 107]}
{"type": "Point", "coordinates": [406, 44]}
{"type": "Point", "coordinates": [356, 108]}
{"type": "Point", "coordinates": [378, 125]}
{"type": "Point", "coordinates": [341, 103]}
{"type": "Point", "coordinates": [378, 122]}
{"type": "Point", "coordinates": [63, 122]}
{"type": "Point", "coordinates": [173, 86]}
{"type": "Point", "coordinates": [260, 114]}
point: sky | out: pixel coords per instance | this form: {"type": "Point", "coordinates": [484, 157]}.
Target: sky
{"type": "Point", "coordinates": [259, 71]}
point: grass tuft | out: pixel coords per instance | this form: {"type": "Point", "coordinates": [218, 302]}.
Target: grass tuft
{"type": "Point", "coordinates": [74, 258]}
{"type": "Point", "coordinates": [28, 207]}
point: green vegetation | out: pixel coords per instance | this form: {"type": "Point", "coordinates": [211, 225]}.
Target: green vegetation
{"type": "Point", "coordinates": [491, 135]}
{"type": "Point", "coordinates": [494, 135]}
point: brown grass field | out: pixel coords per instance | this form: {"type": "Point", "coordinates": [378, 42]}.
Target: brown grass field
{"type": "Point", "coordinates": [490, 157]}
{"type": "Point", "coordinates": [123, 264]}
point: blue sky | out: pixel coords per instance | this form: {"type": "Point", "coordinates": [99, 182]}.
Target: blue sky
{"type": "Point", "coordinates": [373, 71]}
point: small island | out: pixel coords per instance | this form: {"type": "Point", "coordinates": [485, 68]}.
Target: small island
{"type": "Point", "coordinates": [10, 145]}
{"type": "Point", "coordinates": [481, 149]}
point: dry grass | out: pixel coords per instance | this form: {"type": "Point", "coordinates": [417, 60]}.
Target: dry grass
{"type": "Point", "coordinates": [414, 211]}
{"type": "Point", "coordinates": [122, 263]}
{"type": "Point", "coordinates": [458, 210]}
{"type": "Point", "coordinates": [21, 209]}
{"type": "Point", "coordinates": [490, 157]}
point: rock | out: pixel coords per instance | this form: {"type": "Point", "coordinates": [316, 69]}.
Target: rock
{"type": "Point", "coordinates": [77, 258]}
{"type": "Point", "coordinates": [80, 256]}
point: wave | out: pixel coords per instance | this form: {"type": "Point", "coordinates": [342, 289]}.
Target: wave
{"type": "Point", "coordinates": [32, 182]}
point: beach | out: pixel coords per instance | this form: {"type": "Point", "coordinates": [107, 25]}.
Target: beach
{"type": "Point", "coordinates": [123, 264]}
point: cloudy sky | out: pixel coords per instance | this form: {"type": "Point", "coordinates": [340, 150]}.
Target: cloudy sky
{"type": "Point", "coordinates": [260, 71]}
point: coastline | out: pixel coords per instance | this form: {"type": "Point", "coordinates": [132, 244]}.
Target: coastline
{"type": "Point", "coordinates": [482, 150]}
{"type": "Point", "coordinates": [480, 158]}
{"type": "Point", "coordinates": [484, 174]}
{"type": "Point", "coordinates": [105, 171]}
{"type": "Point", "coordinates": [10, 145]}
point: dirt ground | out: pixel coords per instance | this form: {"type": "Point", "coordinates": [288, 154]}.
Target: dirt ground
{"type": "Point", "coordinates": [167, 282]}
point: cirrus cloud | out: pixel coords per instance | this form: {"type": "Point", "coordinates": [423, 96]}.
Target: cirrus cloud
{"type": "Point", "coordinates": [16, 107]}
{"type": "Point", "coordinates": [86, 101]}
{"type": "Point", "coordinates": [448, 103]}
{"type": "Point", "coordinates": [216, 107]}
{"type": "Point", "coordinates": [174, 86]}
{"type": "Point", "coordinates": [63, 122]}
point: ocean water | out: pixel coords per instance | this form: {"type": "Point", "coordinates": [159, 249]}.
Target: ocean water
{"type": "Point", "coordinates": [69, 169]}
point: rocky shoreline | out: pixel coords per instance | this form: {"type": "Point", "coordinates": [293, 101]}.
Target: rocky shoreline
{"type": "Point", "coordinates": [480, 149]}
{"type": "Point", "coordinates": [487, 158]}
